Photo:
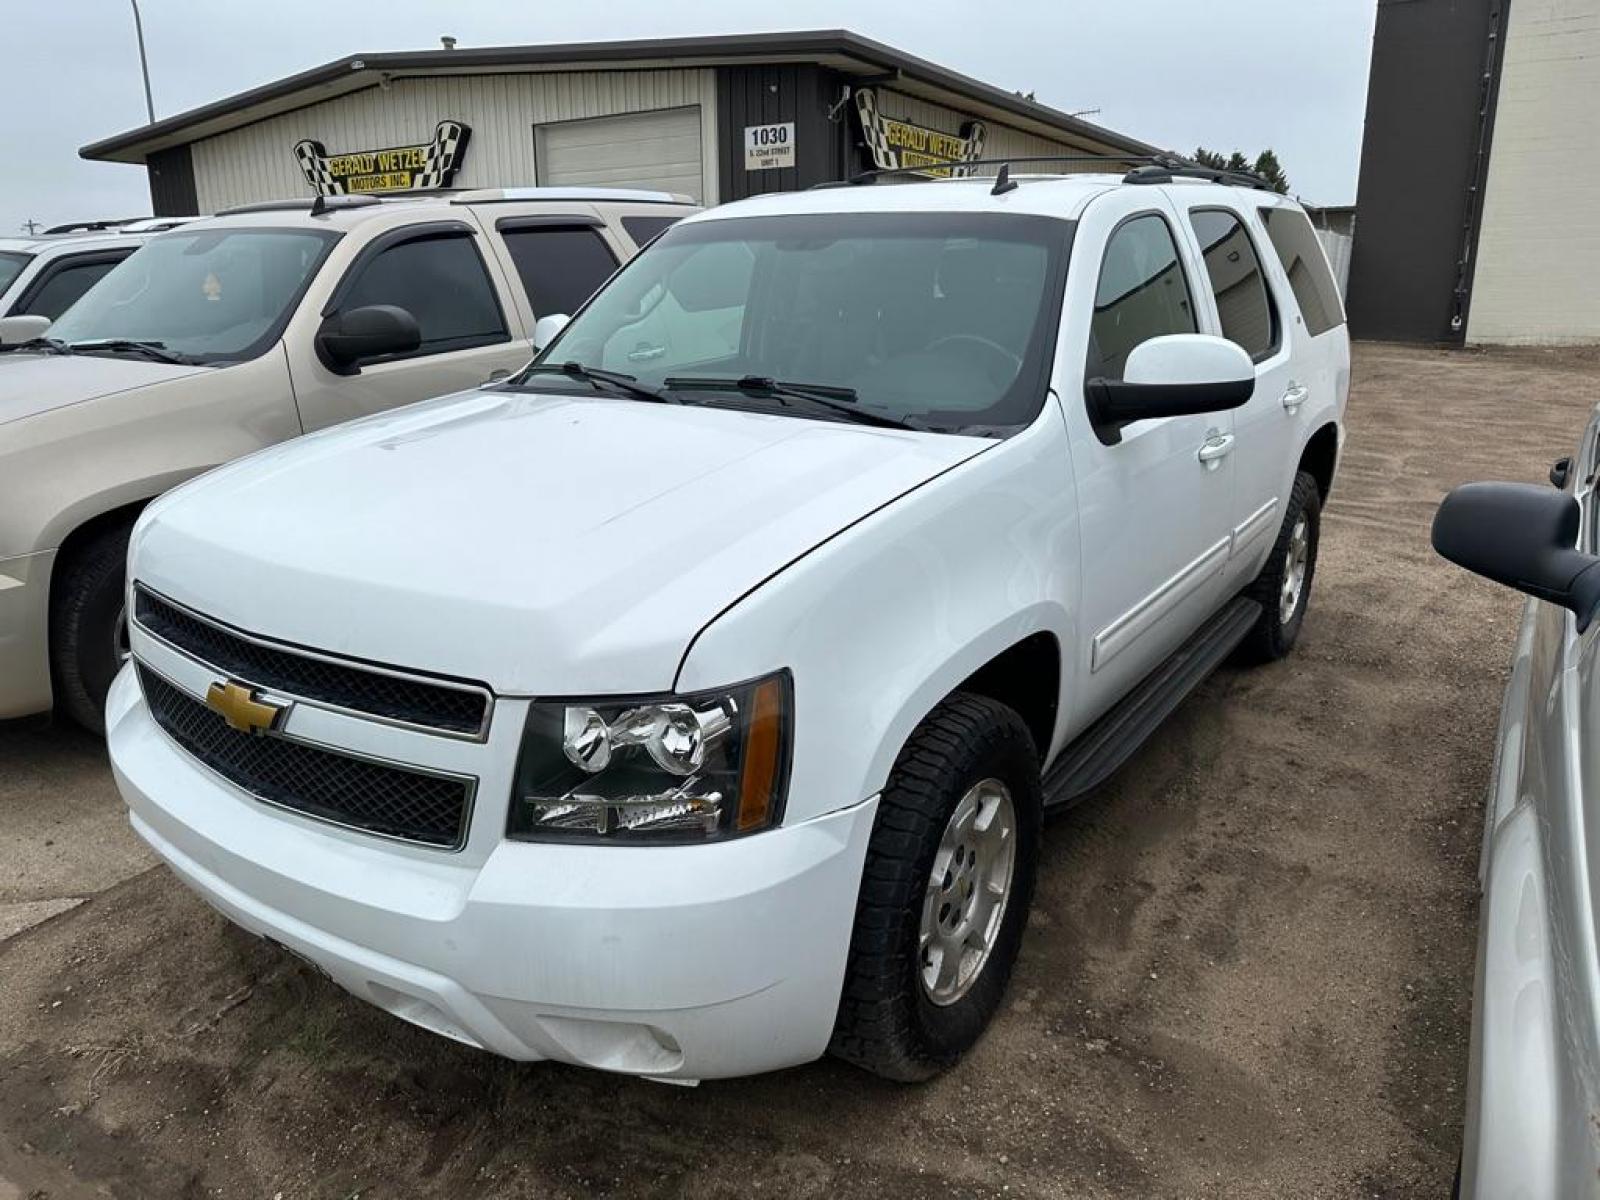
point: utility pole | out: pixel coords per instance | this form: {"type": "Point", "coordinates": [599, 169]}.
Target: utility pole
{"type": "Point", "coordinates": [32, 226]}
{"type": "Point", "coordinates": [144, 63]}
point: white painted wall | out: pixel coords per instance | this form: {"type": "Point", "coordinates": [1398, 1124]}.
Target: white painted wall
{"type": "Point", "coordinates": [257, 162]}
{"type": "Point", "coordinates": [1538, 270]}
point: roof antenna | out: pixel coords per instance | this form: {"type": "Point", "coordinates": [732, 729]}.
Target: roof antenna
{"type": "Point", "coordinates": [1003, 182]}
{"type": "Point", "coordinates": [319, 205]}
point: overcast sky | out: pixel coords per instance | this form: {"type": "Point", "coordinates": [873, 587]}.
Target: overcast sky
{"type": "Point", "coordinates": [1228, 74]}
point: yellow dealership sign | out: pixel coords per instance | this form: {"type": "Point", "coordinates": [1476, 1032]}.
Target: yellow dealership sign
{"type": "Point", "coordinates": [397, 169]}
{"type": "Point", "coordinates": [901, 146]}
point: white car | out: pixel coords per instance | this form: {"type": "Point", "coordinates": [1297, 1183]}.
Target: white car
{"type": "Point", "coordinates": [688, 704]}
{"type": "Point", "coordinates": [240, 331]}
{"type": "Point", "coordinates": [41, 277]}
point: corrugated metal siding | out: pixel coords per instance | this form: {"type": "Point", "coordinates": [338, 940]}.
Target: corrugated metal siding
{"type": "Point", "coordinates": [257, 162]}
{"type": "Point", "coordinates": [1001, 141]}
{"type": "Point", "coordinates": [1537, 278]}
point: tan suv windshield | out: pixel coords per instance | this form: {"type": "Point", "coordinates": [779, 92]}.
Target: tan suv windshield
{"type": "Point", "coordinates": [208, 295]}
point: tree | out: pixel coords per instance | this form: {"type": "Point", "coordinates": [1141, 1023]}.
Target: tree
{"type": "Point", "coordinates": [1268, 167]}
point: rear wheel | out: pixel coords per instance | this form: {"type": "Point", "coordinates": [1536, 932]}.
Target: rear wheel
{"type": "Point", "coordinates": [88, 625]}
{"type": "Point", "coordinates": [945, 892]}
{"type": "Point", "coordinates": [1283, 589]}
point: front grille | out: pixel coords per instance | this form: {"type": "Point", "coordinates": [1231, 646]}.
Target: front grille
{"type": "Point", "coordinates": [414, 701]}
{"type": "Point", "coordinates": [320, 783]}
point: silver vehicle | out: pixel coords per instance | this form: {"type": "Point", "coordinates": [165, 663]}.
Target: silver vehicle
{"type": "Point", "coordinates": [1533, 1084]}
{"type": "Point", "coordinates": [43, 276]}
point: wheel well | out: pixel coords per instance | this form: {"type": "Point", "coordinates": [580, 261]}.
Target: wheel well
{"type": "Point", "coordinates": [90, 529]}
{"type": "Point", "coordinates": [1320, 456]}
{"type": "Point", "coordinates": [1027, 679]}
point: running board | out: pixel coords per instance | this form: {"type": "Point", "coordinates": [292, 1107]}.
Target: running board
{"type": "Point", "coordinates": [1111, 741]}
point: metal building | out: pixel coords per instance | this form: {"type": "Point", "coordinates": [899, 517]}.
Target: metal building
{"type": "Point", "coordinates": [1479, 171]}
{"type": "Point", "coordinates": [716, 118]}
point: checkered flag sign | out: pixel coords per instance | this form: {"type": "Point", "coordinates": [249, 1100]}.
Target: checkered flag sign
{"type": "Point", "coordinates": [886, 137]}
{"type": "Point", "coordinates": [313, 160]}
{"type": "Point", "coordinates": [331, 174]}
{"type": "Point", "coordinates": [448, 141]}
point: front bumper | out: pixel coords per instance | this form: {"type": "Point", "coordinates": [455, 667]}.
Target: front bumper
{"type": "Point", "coordinates": [686, 963]}
{"type": "Point", "coordinates": [24, 634]}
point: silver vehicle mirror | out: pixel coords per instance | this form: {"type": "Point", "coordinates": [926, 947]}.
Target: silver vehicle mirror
{"type": "Point", "coordinates": [1524, 536]}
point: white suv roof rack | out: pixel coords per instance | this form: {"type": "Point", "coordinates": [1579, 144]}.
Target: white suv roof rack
{"type": "Point", "coordinates": [639, 195]}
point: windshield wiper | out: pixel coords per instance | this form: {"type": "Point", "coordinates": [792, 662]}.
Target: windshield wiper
{"type": "Point", "coordinates": [841, 400]}
{"type": "Point", "coordinates": [155, 350]}
{"type": "Point", "coordinates": [595, 377]}
{"type": "Point", "coordinates": [47, 345]}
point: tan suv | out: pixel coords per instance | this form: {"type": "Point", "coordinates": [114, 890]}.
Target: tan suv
{"type": "Point", "coordinates": [234, 333]}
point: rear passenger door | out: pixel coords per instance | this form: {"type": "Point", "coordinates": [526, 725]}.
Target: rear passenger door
{"type": "Point", "coordinates": [1241, 305]}
{"type": "Point", "coordinates": [439, 273]}
{"type": "Point", "coordinates": [559, 261]}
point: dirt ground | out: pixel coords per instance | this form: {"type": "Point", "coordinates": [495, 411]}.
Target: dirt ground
{"type": "Point", "coordinates": [1248, 972]}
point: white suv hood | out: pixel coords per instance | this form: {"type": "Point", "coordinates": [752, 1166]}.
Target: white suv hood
{"type": "Point", "coordinates": [31, 383]}
{"type": "Point", "coordinates": [541, 544]}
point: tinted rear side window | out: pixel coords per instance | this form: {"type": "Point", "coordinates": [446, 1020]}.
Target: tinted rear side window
{"type": "Point", "coordinates": [1301, 255]}
{"type": "Point", "coordinates": [64, 287]}
{"type": "Point", "coordinates": [10, 267]}
{"type": "Point", "coordinates": [560, 267]}
{"type": "Point", "coordinates": [1237, 281]}
{"type": "Point", "coordinates": [442, 282]}
{"type": "Point", "coordinates": [1142, 294]}
{"type": "Point", "coordinates": [642, 229]}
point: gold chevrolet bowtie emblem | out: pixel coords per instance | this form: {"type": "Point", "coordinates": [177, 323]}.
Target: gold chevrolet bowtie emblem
{"type": "Point", "coordinates": [236, 703]}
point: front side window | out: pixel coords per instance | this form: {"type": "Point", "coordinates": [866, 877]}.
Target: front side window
{"type": "Point", "coordinates": [943, 320]}
{"type": "Point", "coordinates": [11, 264]}
{"type": "Point", "coordinates": [559, 267]}
{"type": "Point", "coordinates": [442, 282]}
{"type": "Point", "coordinates": [213, 295]}
{"type": "Point", "coordinates": [1142, 294]}
{"type": "Point", "coordinates": [642, 229]}
{"type": "Point", "coordinates": [65, 287]}
{"type": "Point", "coordinates": [1297, 247]}
{"type": "Point", "coordinates": [1243, 302]}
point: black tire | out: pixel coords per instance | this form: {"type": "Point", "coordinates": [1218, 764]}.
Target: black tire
{"type": "Point", "coordinates": [1273, 637]}
{"type": "Point", "coordinates": [886, 1021]}
{"type": "Point", "coordinates": [86, 603]}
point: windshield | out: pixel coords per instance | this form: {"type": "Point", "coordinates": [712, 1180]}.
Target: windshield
{"type": "Point", "coordinates": [11, 265]}
{"type": "Point", "coordinates": [210, 295]}
{"type": "Point", "coordinates": [942, 320]}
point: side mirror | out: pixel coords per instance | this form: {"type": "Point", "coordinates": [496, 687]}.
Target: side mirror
{"type": "Point", "coordinates": [545, 330]}
{"type": "Point", "coordinates": [1524, 536]}
{"type": "Point", "coordinates": [1175, 375]}
{"type": "Point", "coordinates": [16, 330]}
{"type": "Point", "coordinates": [374, 330]}
{"type": "Point", "coordinates": [1561, 471]}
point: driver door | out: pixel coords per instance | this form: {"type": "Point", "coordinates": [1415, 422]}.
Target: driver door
{"type": "Point", "coordinates": [1155, 497]}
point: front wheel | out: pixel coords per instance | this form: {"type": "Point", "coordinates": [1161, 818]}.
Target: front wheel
{"type": "Point", "coordinates": [88, 627]}
{"type": "Point", "coordinates": [945, 892]}
{"type": "Point", "coordinates": [1283, 588]}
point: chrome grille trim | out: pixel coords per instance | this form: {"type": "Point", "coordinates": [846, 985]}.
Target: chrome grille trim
{"type": "Point", "coordinates": [478, 733]}
{"type": "Point", "coordinates": [161, 714]}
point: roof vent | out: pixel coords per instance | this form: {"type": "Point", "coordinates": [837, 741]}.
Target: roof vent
{"type": "Point", "coordinates": [448, 42]}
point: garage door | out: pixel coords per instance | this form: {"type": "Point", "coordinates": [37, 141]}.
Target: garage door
{"type": "Point", "coordinates": [653, 149]}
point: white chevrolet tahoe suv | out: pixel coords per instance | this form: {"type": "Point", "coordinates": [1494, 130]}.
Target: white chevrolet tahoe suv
{"type": "Point", "coordinates": [237, 332]}
{"type": "Point", "coordinates": [688, 704]}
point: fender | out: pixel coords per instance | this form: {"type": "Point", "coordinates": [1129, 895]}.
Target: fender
{"type": "Point", "coordinates": [880, 624]}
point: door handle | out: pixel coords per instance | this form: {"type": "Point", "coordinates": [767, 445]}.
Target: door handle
{"type": "Point", "coordinates": [497, 375]}
{"type": "Point", "coordinates": [1294, 396]}
{"type": "Point", "coordinates": [1214, 450]}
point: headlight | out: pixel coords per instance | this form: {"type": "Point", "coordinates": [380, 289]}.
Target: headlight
{"type": "Point", "coordinates": [668, 768]}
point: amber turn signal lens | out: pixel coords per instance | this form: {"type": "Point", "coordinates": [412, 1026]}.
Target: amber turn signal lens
{"type": "Point", "coordinates": [763, 751]}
